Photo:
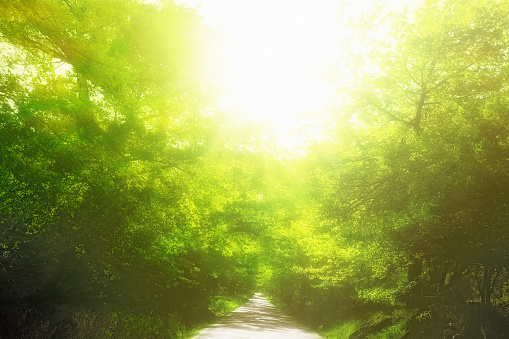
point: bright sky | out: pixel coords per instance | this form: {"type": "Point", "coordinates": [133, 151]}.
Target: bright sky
{"type": "Point", "coordinates": [275, 61]}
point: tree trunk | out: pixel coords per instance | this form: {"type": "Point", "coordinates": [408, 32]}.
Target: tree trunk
{"type": "Point", "coordinates": [414, 272]}
{"type": "Point", "coordinates": [85, 117]}
{"type": "Point", "coordinates": [418, 111]}
{"type": "Point", "coordinates": [477, 312]}
{"type": "Point", "coordinates": [486, 287]}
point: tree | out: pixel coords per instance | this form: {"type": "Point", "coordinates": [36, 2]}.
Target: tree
{"type": "Point", "coordinates": [95, 162]}
{"type": "Point", "coordinates": [415, 180]}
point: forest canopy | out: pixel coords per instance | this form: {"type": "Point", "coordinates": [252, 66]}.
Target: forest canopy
{"type": "Point", "coordinates": [160, 162]}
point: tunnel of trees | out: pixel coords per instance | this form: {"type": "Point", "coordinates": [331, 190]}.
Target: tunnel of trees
{"type": "Point", "coordinates": [132, 205]}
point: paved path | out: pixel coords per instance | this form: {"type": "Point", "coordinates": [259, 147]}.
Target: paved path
{"type": "Point", "coordinates": [258, 318]}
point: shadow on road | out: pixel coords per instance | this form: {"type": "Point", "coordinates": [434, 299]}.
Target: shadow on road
{"type": "Point", "coordinates": [258, 318]}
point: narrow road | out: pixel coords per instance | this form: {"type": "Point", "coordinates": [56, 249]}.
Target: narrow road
{"type": "Point", "coordinates": [258, 318]}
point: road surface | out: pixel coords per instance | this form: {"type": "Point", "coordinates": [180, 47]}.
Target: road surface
{"type": "Point", "coordinates": [257, 319]}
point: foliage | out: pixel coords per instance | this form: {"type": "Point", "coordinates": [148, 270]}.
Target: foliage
{"type": "Point", "coordinates": [221, 305]}
{"type": "Point", "coordinates": [100, 204]}
{"type": "Point", "coordinates": [411, 194]}
{"type": "Point", "coordinates": [131, 205]}
{"type": "Point", "coordinates": [342, 330]}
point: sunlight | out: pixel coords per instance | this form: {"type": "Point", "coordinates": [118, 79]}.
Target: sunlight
{"type": "Point", "coordinates": [274, 59]}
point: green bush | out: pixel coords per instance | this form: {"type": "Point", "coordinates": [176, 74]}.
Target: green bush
{"type": "Point", "coordinates": [140, 325]}
{"type": "Point", "coordinates": [393, 332]}
{"type": "Point", "coordinates": [222, 305]}
{"type": "Point", "coordinates": [343, 329]}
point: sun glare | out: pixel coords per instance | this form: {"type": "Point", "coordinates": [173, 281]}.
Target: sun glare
{"type": "Point", "coordinates": [272, 62]}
